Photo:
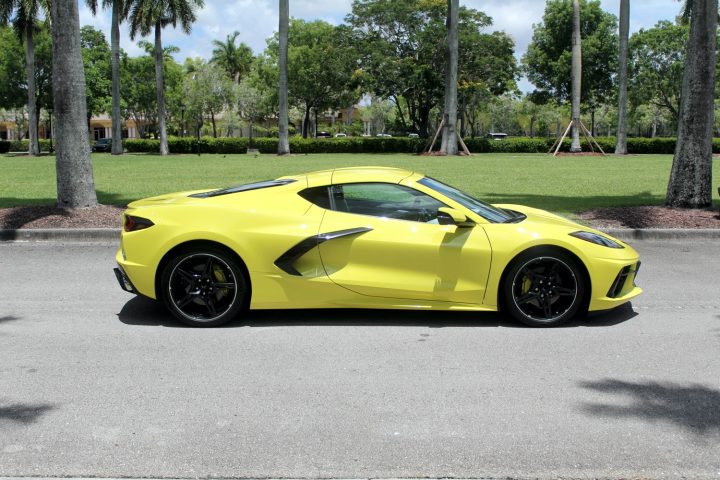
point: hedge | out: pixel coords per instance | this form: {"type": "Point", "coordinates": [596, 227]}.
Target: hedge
{"type": "Point", "coordinates": [24, 145]}
{"type": "Point", "coordinates": [395, 145]}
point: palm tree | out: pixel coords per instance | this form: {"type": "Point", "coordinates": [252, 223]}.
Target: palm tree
{"type": "Point", "coordinates": [283, 134]}
{"type": "Point", "coordinates": [621, 145]}
{"type": "Point", "coordinates": [449, 140]}
{"type": "Point", "coordinates": [119, 14]}
{"type": "Point", "coordinates": [576, 78]}
{"type": "Point", "coordinates": [24, 21]}
{"type": "Point", "coordinates": [75, 184]}
{"type": "Point", "coordinates": [690, 184]}
{"type": "Point", "coordinates": [234, 59]}
{"type": "Point", "coordinates": [147, 15]}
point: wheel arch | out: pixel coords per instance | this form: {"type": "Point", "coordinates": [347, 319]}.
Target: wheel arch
{"type": "Point", "coordinates": [192, 245]}
{"type": "Point", "coordinates": [545, 249]}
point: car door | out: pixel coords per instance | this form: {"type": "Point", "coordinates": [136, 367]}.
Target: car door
{"type": "Point", "coordinates": [384, 240]}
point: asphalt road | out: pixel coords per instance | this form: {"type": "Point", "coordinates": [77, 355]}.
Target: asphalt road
{"type": "Point", "coordinates": [97, 383]}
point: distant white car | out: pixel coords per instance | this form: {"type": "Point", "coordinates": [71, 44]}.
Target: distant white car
{"type": "Point", "coordinates": [413, 135]}
{"type": "Point", "coordinates": [383, 135]}
{"type": "Point", "coordinates": [340, 135]}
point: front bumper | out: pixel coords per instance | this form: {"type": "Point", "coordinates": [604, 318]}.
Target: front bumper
{"type": "Point", "coordinates": [621, 290]}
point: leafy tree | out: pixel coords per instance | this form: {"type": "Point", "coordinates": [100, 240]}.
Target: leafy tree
{"type": "Point", "coordinates": [548, 60]}
{"type": "Point", "coordinates": [657, 61]}
{"type": "Point", "coordinates": [621, 144]}
{"type": "Point", "coordinates": [234, 59]}
{"type": "Point", "coordinates": [138, 93]}
{"type": "Point", "coordinates": [402, 56]}
{"type": "Point", "coordinates": [149, 15]}
{"type": "Point", "coordinates": [320, 68]}
{"type": "Point", "coordinates": [75, 183]}
{"type": "Point", "coordinates": [119, 15]}
{"type": "Point", "coordinates": [98, 72]}
{"type": "Point", "coordinates": [283, 26]}
{"type": "Point", "coordinates": [12, 71]}
{"type": "Point", "coordinates": [690, 184]}
{"type": "Point", "coordinates": [207, 91]}
{"type": "Point", "coordinates": [25, 16]}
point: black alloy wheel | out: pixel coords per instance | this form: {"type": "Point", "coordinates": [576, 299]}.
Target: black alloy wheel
{"type": "Point", "coordinates": [544, 289]}
{"type": "Point", "coordinates": [204, 288]}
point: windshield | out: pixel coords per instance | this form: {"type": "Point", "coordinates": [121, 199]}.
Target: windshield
{"type": "Point", "coordinates": [485, 210]}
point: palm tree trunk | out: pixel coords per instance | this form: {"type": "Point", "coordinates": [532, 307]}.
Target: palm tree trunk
{"type": "Point", "coordinates": [117, 146]}
{"type": "Point", "coordinates": [160, 86]}
{"type": "Point", "coordinates": [690, 184]}
{"type": "Point", "coordinates": [283, 134]}
{"type": "Point", "coordinates": [449, 144]}
{"type": "Point", "coordinates": [75, 183]}
{"type": "Point", "coordinates": [576, 78]}
{"type": "Point", "coordinates": [34, 147]}
{"type": "Point", "coordinates": [621, 145]}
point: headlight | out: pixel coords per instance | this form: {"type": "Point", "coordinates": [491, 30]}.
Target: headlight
{"type": "Point", "coordinates": [597, 239]}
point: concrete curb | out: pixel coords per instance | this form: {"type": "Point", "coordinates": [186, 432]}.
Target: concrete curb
{"type": "Point", "coordinates": [61, 234]}
{"type": "Point", "coordinates": [113, 234]}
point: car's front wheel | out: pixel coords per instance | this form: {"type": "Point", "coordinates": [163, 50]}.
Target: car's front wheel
{"type": "Point", "coordinates": [204, 288]}
{"type": "Point", "coordinates": [544, 288]}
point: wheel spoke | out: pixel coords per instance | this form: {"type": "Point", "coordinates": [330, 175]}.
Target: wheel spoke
{"type": "Point", "coordinates": [210, 304]}
{"type": "Point", "coordinates": [223, 285]}
{"type": "Point", "coordinates": [187, 276]}
{"type": "Point", "coordinates": [208, 267]}
{"type": "Point", "coordinates": [523, 299]}
{"type": "Point", "coordinates": [186, 300]}
{"type": "Point", "coordinates": [529, 274]}
{"type": "Point", "coordinates": [564, 292]}
{"type": "Point", "coordinates": [547, 306]}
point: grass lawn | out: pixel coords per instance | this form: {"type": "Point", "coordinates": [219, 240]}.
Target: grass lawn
{"type": "Point", "coordinates": [564, 185]}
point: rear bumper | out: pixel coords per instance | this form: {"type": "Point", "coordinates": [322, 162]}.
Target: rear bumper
{"type": "Point", "coordinates": [124, 281]}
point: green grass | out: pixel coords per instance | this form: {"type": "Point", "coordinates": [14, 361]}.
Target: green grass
{"type": "Point", "coordinates": [565, 184]}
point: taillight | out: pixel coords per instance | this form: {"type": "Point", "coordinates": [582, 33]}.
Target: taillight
{"type": "Point", "coordinates": [133, 224]}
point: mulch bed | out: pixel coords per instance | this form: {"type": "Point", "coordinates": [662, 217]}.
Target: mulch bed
{"type": "Point", "coordinates": [108, 216]}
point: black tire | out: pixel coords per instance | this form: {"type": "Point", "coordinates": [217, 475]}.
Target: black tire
{"type": "Point", "coordinates": [544, 288]}
{"type": "Point", "coordinates": [204, 287]}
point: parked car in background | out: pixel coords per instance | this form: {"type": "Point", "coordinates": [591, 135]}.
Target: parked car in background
{"type": "Point", "coordinates": [102, 145]}
{"type": "Point", "coordinates": [323, 134]}
{"type": "Point", "coordinates": [413, 135]}
{"type": "Point", "coordinates": [497, 135]}
{"type": "Point", "coordinates": [340, 135]}
{"type": "Point", "coordinates": [383, 135]}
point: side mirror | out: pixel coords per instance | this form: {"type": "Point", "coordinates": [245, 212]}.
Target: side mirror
{"type": "Point", "coordinates": [450, 216]}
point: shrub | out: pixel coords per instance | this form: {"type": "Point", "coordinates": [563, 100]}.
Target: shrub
{"type": "Point", "coordinates": [24, 145]}
{"type": "Point", "coordinates": [4, 146]}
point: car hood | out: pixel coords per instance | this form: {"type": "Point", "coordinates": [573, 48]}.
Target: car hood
{"type": "Point", "coordinates": [535, 215]}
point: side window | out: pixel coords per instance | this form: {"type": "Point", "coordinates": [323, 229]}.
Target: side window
{"type": "Point", "coordinates": [385, 200]}
{"type": "Point", "coordinates": [317, 195]}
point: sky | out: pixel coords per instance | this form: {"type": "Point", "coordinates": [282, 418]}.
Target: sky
{"type": "Point", "coordinates": [256, 20]}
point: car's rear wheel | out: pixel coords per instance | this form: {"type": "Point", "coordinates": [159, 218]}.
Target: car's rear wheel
{"type": "Point", "coordinates": [204, 288]}
{"type": "Point", "coordinates": [544, 288]}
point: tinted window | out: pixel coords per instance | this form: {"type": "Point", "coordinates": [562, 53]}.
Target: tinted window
{"type": "Point", "coordinates": [317, 195]}
{"type": "Point", "coordinates": [485, 210]}
{"type": "Point", "coordinates": [385, 200]}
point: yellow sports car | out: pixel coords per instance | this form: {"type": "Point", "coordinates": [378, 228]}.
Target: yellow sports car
{"type": "Point", "coordinates": [366, 237]}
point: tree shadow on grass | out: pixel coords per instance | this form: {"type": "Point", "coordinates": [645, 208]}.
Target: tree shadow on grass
{"type": "Point", "coordinates": [693, 406]}
{"type": "Point", "coordinates": [8, 318]}
{"type": "Point", "coordinates": [25, 413]}
{"type": "Point", "coordinates": [141, 311]}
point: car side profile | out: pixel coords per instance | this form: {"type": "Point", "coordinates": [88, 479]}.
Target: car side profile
{"type": "Point", "coordinates": [365, 237]}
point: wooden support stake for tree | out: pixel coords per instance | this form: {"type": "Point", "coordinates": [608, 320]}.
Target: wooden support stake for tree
{"type": "Point", "coordinates": [559, 142]}
{"type": "Point", "coordinates": [587, 133]}
{"type": "Point", "coordinates": [429, 150]}
{"type": "Point", "coordinates": [462, 143]}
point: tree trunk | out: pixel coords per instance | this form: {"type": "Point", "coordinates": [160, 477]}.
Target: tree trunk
{"type": "Point", "coordinates": [212, 120]}
{"type": "Point", "coordinates": [34, 148]}
{"type": "Point", "coordinates": [75, 184]}
{"type": "Point", "coordinates": [117, 145]}
{"type": "Point", "coordinates": [160, 86]}
{"type": "Point", "coordinates": [621, 145]}
{"type": "Point", "coordinates": [576, 78]}
{"type": "Point", "coordinates": [306, 121]}
{"type": "Point", "coordinates": [690, 184]}
{"type": "Point", "coordinates": [449, 144]}
{"type": "Point", "coordinates": [283, 133]}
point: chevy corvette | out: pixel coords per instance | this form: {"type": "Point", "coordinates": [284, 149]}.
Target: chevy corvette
{"type": "Point", "coordinates": [365, 237]}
